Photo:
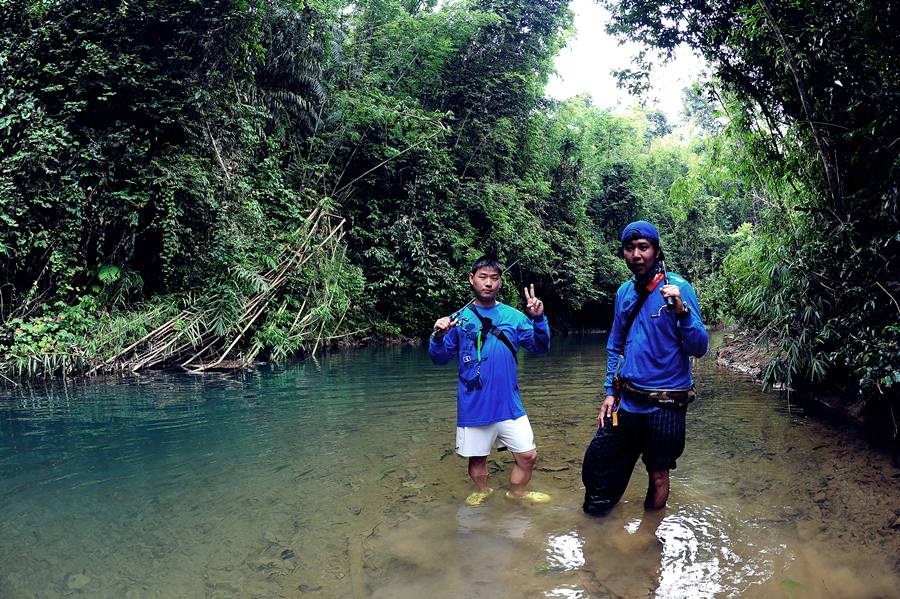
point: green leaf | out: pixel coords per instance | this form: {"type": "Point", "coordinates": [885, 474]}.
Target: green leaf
{"type": "Point", "coordinates": [109, 273]}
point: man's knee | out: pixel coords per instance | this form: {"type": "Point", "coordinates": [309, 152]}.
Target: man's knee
{"type": "Point", "coordinates": [659, 478]}
{"type": "Point", "coordinates": [478, 464]}
{"type": "Point", "coordinates": [526, 459]}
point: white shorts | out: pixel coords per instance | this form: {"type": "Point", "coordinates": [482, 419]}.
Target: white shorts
{"type": "Point", "coordinates": [515, 435]}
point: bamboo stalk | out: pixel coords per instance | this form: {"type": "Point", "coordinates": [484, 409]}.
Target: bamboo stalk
{"type": "Point", "coordinates": [219, 156]}
{"type": "Point", "coordinates": [165, 342]}
{"type": "Point", "coordinates": [342, 335]}
{"type": "Point", "coordinates": [152, 355]}
{"type": "Point", "coordinates": [251, 355]}
{"type": "Point", "coordinates": [160, 359]}
{"type": "Point", "coordinates": [299, 313]}
{"type": "Point", "coordinates": [155, 331]}
{"type": "Point", "coordinates": [338, 325]}
{"type": "Point", "coordinates": [153, 351]}
{"type": "Point", "coordinates": [318, 337]}
{"type": "Point", "coordinates": [14, 384]}
{"type": "Point", "coordinates": [237, 339]}
{"type": "Point", "coordinates": [198, 354]}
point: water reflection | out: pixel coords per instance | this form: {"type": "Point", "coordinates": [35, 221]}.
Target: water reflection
{"type": "Point", "coordinates": [565, 551]}
{"type": "Point", "coordinates": [693, 551]}
{"type": "Point", "coordinates": [566, 593]}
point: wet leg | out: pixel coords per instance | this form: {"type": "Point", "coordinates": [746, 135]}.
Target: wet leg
{"type": "Point", "coordinates": [664, 436]}
{"type": "Point", "coordinates": [521, 472]}
{"type": "Point", "coordinates": [608, 464]}
{"type": "Point", "coordinates": [478, 472]}
{"type": "Point", "coordinates": [657, 489]}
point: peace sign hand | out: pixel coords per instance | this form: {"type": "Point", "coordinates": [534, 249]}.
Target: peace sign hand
{"type": "Point", "coordinates": [534, 307]}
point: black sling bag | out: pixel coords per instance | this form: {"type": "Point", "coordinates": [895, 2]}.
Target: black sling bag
{"type": "Point", "coordinates": [642, 297]}
{"type": "Point", "coordinates": [488, 328]}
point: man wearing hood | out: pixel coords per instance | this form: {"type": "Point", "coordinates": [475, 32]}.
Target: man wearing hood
{"type": "Point", "coordinates": [656, 329]}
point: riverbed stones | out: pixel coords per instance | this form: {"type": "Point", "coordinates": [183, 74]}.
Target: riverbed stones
{"type": "Point", "coordinates": [894, 522]}
{"type": "Point", "coordinates": [809, 529]}
{"type": "Point", "coordinates": [76, 582]}
{"type": "Point", "coordinates": [270, 537]}
{"type": "Point", "coordinates": [222, 589]}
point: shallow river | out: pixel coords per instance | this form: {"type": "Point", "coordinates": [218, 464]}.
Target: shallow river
{"type": "Point", "coordinates": [336, 478]}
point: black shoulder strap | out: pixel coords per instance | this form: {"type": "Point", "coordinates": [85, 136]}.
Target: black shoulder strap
{"type": "Point", "coordinates": [489, 328]}
{"type": "Point", "coordinates": [642, 297]}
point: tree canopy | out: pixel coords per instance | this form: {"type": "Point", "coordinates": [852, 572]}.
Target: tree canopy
{"type": "Point", "coordinates": [160, 163]}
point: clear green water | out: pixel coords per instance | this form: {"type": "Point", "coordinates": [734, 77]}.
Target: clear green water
{"type": "Point", "coordinates": [336, 479]}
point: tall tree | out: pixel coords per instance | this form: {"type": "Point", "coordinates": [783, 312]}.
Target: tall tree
{"type": "Point", "coordinates": [812, 89]}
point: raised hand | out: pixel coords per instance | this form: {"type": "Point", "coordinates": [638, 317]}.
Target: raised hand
{"type": "Point", "coordinates": [534, 307]}
{"type": "Point", "coordinates": [673, 291]}
{"type": "Point", "coordinates": [442, 325]}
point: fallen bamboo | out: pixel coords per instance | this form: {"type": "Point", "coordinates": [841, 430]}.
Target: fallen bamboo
{"type": "Point", "coordinates": [236, 339]}
{"type": "Point", "coordinates": [146, 337]}
{"type": "Point", "coordinates": [188, 339]}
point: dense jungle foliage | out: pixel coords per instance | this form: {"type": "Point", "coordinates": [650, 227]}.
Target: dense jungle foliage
{"type": "Point", "coordinates": [157, 159]}
{"type": "Point", "coordinates": [811, 91]}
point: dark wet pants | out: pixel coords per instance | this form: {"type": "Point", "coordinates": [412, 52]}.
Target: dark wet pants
{"type": "Point", "coordinates": [614, 450]}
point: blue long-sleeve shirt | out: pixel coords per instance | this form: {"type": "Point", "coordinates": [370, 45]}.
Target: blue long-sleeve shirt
{"type": "Point", "coordinates": [660, 343]}
{"type": "Point", "coordinates": [498, 397]}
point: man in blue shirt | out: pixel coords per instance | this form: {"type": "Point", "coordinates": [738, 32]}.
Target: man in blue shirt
{"type": "Point", "coordinates": [484, 337]}
{"type": "Point", "coordinates": [656, 329]}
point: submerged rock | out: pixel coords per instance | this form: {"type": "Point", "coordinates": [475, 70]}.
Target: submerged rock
{"type": "Point", "coordinates": [894, 523]}
{"type": "Point", "coordinates": [76, 582]}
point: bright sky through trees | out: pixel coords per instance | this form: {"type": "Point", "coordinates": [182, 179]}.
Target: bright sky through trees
{"type": "Point", "coordinates": [585, 65]}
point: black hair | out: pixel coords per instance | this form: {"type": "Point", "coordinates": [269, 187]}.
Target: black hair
{"type": "Point", "coordinates": [487, 262]}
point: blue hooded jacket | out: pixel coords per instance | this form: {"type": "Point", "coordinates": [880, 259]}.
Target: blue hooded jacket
{"type": "Point", "coordinates": [660, 343]}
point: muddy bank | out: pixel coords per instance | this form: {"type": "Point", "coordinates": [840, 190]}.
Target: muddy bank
{"type": "Point", "coordinates": [877, 416]}
{"type": "Point", "coordinates": [740, 352]}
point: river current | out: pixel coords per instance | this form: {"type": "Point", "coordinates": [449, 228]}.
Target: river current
{"type": "Point", "coordinates": [336, 478]}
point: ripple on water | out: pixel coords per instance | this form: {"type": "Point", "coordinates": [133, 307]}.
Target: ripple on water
{"type": "Point", "coordinates": [698, 556]}
{"type": "Point", "coordinates": [565, 551]}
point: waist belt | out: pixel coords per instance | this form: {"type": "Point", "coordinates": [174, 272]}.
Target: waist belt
{"type": "Point", "coordinates": [677, 398]}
